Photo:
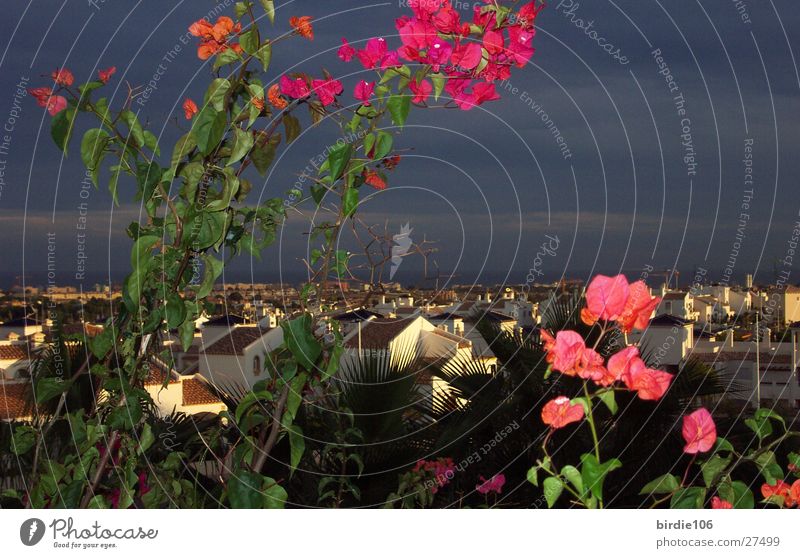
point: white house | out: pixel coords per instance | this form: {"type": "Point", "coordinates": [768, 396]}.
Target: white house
{"type": "Point", "coordinates": [15, 360]}
{"type": "Point", "coordinates": [669, 339]}
{"type": "Point", "coordinates": [240, 355]}
{"type": "Point", "coordinates": [182, 394]}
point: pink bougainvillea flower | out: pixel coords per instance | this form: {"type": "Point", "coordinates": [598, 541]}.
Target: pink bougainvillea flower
{"type": "Point", "coordinates": [376, 54]}
{"type": "Point", "coordinates": [493, 41]}
{"type": "Point", "coordinates": [374, 179]}
{"type": "Point", "coordinates": [275, 99]}
{"type": "Point", "coordinates": [619, 364]}
{"type": "Point", "coordinates": [420, 90]}
{"type": "Point", "coordinates": [416, 35]}
{"type": "Point", "coordinates": [302, 25]}
{"type": "Point", "coordinates": [447, 20]}
{"type": "Point", "coordinates": [106, 74]}
{"type": "Point", "coordinates": [520, 49]}
{"type": "Point", "coordinates": [780, 493]}
{"type": "Point", "coordinates": [481, 93]}
{"type": "Point", "coordinates": [64, 77]}
{"type": "Point", "coordinates": [296, 88]}
{"type": "Point", "coordinates": [56, 104]}
{"type": "Point", "coordinates": [649, 384]}
{"type": "Point", "coordinates": [605, 298]}
{"type": "Point", "coordinates": [114, 497]}
{"type": "Point", "coordinates": [571, 356]}
{"type": "Point", "coordinates": [699, 431]}
{"type": "Point", "coordinates": [346, 52]}
{"type": "Point", "coordinates": [45, 99]}
{"type": "Point", "coordinates": [560, 412]}
{"type": "Point", "coordinates": [424, 9]}
{"type": "Point", "coordinates": [363, 91]}
{"type": "Point", "coordinates": [494, 484]}
{"type": "Point", "coordinates": [189, 109]}
{"type": "Point", "coordinates": [327, 90]}
{"type": "Point", "coordinates": [144, 488]}
{"type": "Point", "coordinates": [638, 307]}
{"type": "Point", "coordinates": [439, 54]}
{"type": "Point", "coordinates": [467, 55]}
{"type": "Point", "coordinates": [719, 504]}
{"type": "Point", "coordinates": [527, 14]}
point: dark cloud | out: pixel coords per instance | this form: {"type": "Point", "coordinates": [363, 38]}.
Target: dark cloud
{"type": "Point", "coordinates": [489, 184]}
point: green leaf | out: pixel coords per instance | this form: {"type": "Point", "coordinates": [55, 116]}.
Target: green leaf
{"type": "Point", "coordinates": [594, 472]}
{"type": "Point", "coordinates": [98, 503]}
{"type": "Point", "coordinates": [186, 332]}
{"type": "Point", "coordinates": [297, 443]}
{"type": "Point", "coordinates": [722, 445]}
{"type": "Point", "coordinates": [573, 476]}
{"type": "Point", "coordinates": [264, 55]}
{"type": "Point", "coordinates": [262, 156]}
{"type": "Point", "coordinates": [292, 127]}
{"type": "Point", "coordinates": [93, 147]}
{"type": "Point", "coordinates": [228, 56]}
{"type": "Point", "coordinates": [398, 106]}
{"type": "Point", "coordinates": [300, 340]}
{"type": "Point", "coordinates": [552, 488]}
{"type": "Point", "coordinates": [48, 388]}
{"type": "Point", "coordinates": [296, 394]}
{"type": "Point", "coordinates": [209, 129]}
{"type": "Point", "coordinates": [146, 439]}
{"type": "Point", "coordinates": [212, 270]}
{"type": "Point", "coordinates": [383, 145]}
{"type": "Point", "coordinates": [250, 41]}
{"type": "Point", "coordinates": [738, 494]}
{"type": "Point", "coordinates": [688, 498]}
{"type": "Point", "coordinates": [61, 128]}
{"type": "Point", "coordinates": [713, 467]}
{"type": "Point", "coordinates": [608, 399]}
{"type": "Point", "coordinates": [183, 147]}
{"type": "Point", "coordinates": [439, 81]}
{"type": "Point", "coordinates": [768, 465]}
{"type": "Point", "coordinates": [216, 92]}
{"type": "Point", "coordinates": [533, 475]}
{"type": "Point", "coordinates": [23, 439]}
{"type": "Point", "coordinates": [242, 144]}
{"type": "Point", "coordinates": [175, 310]}
{"type": "Point", "coordinates": [245, 490]}
{"type": "Point", "coordinates": [134, 127]}
{"type": "Point", "coordinates": [338, 158]}
{"type": "Point", "coordinates": [665, 484]}
{"type": "Point", "coordinates": [269, 7]}
{"type": "Point", "coordinates": [274, 495]}
{"type": "Point", "coordinates": [350, 201]}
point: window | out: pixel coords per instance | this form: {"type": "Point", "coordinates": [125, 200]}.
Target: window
{"type": "Point", "coordinates": [256, 366]}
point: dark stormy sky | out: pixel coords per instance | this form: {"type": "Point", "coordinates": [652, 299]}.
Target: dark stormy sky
{"type": "Point", "coordinates": [490, 186]}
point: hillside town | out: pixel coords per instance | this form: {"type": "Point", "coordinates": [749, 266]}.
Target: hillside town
{"type": "Point", "coordinates": [748, 334]}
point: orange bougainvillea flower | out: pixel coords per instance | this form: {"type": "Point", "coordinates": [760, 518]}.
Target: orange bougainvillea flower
{"type": "Point", "coordinates": [258, 102]}
{"type": "Point", "coordinates": [718, 503]}
{"type": "Point", "coordinates": [302, 25]}
{"type": "Point", "coordinates": [275, 99]}
{"type": "Point", "coordinates": [189, 109]}
{"type": "Point", "coordinates": [779, 493]}
{"type": "Point", "coordinates": [64, 77]}
{"type": "Point", "coordinates": [215, 37]}
{"type": "Point", "coordinates": [106, 74]}
{"type": "Point", "coordinates": [374, 179]}
{"type": "Point", "coordinates": [560, 412]}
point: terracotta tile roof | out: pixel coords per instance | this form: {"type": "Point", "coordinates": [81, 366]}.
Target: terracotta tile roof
{"type": "Point", "coordinates": [14, 400]}
{"type": "Point", "coordinates": [377, 334]}
{"type": "Point", "coordinates": [14, 352]}
{"type": "Point", "coordinates": [236, 340]}
{"type": "Point", "coordinates": [198, 392]}
{"type": "Point", "coordinates": [156, 374]}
